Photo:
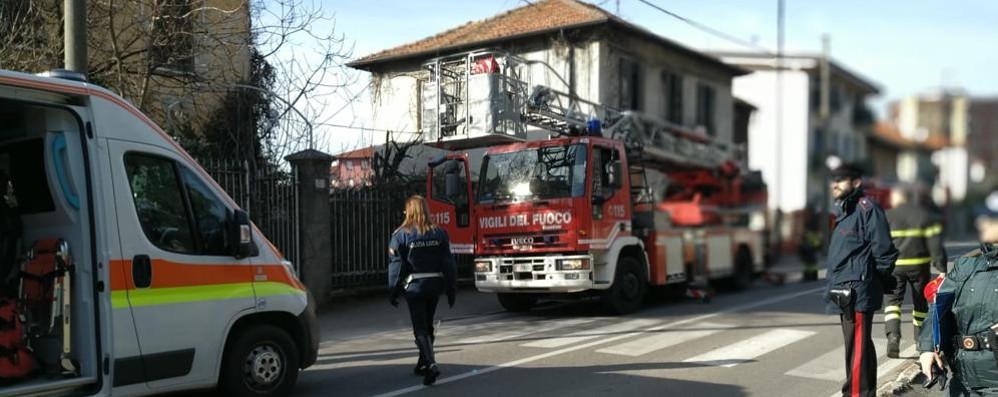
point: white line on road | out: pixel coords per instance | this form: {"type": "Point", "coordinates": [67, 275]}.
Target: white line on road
{"type": "Point", "coordinates": [744, 350]}
{"type": "Point", "coordinates": [570, 349]}
{"type": "Point", "coordinates": [526, 329]}
{"type": "Point", "coordinates": [662, 340]}
{"type": "Point", "coordinates": [576, 337]}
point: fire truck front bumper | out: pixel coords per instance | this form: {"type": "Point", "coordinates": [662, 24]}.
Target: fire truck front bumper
{"type": "Point", "coordinates": [554, 274]}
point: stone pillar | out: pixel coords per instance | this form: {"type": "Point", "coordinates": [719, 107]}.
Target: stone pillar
{"type": "Point", "coordinates": [316, 253]}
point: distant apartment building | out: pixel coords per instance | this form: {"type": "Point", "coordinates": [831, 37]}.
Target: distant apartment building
{"type": "Point", "coordinates": [786, 139]}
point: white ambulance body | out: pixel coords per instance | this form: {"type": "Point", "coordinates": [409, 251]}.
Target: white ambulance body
{"type": "Point", "coordinates": [172, 287]}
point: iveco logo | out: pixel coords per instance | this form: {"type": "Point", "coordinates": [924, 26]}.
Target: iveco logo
{"type": "Point", "coordinates": [522, 240]}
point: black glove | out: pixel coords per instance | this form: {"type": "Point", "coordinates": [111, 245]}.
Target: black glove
{"type": "Point", "coordinates": [451, 296]}
{"type": "Point", "coordinates": [394, 300]}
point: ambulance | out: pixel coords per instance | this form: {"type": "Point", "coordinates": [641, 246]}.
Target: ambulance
{"type": "Point", "coordinates": [126, 269]}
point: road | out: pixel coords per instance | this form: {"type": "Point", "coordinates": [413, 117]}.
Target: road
{"type": "Point", "coordinates": [768, 340]}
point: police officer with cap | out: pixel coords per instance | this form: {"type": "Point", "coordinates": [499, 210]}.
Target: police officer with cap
{"type": "Point", "coordinates": [860, 260]}
{"type": "Point", "coordinates": [917, 234]}
{"type": "Point", "coordinates": [421, 268]}
{"type": "Point", "coordinates": [972, 318]}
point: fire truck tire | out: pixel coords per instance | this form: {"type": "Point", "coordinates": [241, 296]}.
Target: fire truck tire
{"type": "Point", "coordinates": [742, 278]}
{"type": "Point", "coordinates": [261, 361]}
{"type": "Point", "coordinates": [516, 302]}
{"type": "Point", "coordinates": [628, 289]}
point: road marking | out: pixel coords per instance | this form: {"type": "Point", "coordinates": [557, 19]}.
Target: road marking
{"type": "Point", "coordinates": [526, 329]}
{"type": "Point", "coordinates": [581, 336]}
{"type": "Point", "coordinates": [487, 370]}
{"type": "Point", "coordinates": [831, 365]}
{"type": "Point", "coordinates": [662, 340]}
{"type": "Point", "coordinates": [744, 350]}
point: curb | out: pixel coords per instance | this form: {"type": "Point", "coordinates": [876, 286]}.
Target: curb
{"type": "Point", "coordinates": [903, 384]}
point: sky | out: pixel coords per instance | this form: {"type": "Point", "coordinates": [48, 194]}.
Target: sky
{"type": "Point", "coordinates": [905, 46]}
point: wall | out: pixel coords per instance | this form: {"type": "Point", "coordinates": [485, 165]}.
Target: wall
{"type": "Point", "coordinates": [784, 166]}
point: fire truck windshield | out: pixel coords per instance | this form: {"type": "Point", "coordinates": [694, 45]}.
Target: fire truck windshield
{"type": "Point", "coordinates": [533, 174]}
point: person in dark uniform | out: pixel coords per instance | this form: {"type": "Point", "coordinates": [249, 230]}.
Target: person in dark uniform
{"type": "Point", "coordinates": [971, 342]}
{"type": "Point", "coordinates": [917, 234]}
{"type": "Point", "coordinates": [421, 268]}
{"type": "Point", "coordinates": [860, 260]}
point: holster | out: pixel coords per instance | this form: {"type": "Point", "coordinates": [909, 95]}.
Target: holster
{"type": "Point", "coordinates": [993, 342]}
{"type": "Point", "coordinates": [844, 298]}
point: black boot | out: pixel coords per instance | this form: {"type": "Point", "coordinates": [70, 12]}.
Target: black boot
{"type": "Point", "coordinates": [426, 352]}
{"type": "Point", "coordinates": [893, 345]}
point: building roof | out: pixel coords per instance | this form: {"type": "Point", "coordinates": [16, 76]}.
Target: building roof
{"type": "Point", "coordinates": [362, 153]}
{"type": "Point", "coordinates": [889, 134]}
{"type": "Point", "coordinates": [535, 19]}
{"type": "Point", "coordinates": [803, 60]}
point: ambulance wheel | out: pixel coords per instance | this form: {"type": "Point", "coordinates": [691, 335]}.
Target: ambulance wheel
{"type": "Point", "coordinates": [262, 361]}
{"type": "Point", "coordinates": [628, 289]}
{"type": "Point", "coordinates": [517, 302]}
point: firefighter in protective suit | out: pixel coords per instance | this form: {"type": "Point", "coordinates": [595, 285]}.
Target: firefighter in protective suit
{"type": "Point", "coordinates": [421, 268]}
{"type": "Point", "coordinates": [970, 323]}
{"type": "Point", "coordinates": [917, 234]}
{"type": "Point", "coordinates": [860, 261]}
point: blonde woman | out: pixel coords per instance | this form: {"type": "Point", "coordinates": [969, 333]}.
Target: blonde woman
{"type": "Point", "coordinates": [421, 268]}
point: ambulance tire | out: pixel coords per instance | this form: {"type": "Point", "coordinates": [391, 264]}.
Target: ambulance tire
{"type": "Point", "coordinates": [517, 303]}
{"type": "Point", "coordinates": [628, 290]}
{"type": "Point", "coordinates": [261, 361]}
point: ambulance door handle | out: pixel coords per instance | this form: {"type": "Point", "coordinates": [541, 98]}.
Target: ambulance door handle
{"type": "Point", "coordinates": [142, 271]}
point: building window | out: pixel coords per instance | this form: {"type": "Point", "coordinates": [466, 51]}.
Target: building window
{"type": "Point", "coordinates": [630, 84]}
{"type": "Point", "coordinates": [706, 104]}
{"type": "Point", "coordinates": [349, 164]}
{"type": "Point", "coordinates": [172, 46]}
{"type": "Point", "coordinates": [672, 89]}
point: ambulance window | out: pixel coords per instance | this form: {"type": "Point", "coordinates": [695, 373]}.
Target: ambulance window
{"type": "Point", "coordinates": [159, 203]}
{"type": "Point", "coordinates": [209, 214]}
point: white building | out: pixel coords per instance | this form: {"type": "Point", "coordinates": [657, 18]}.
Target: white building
{"type": "Point", "coordinates": [573, 47]}
{"type": "Point", "coordinates": [793, 160]}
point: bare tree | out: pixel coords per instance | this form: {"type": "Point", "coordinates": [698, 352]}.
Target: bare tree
{"type": "Point", "coordinates": [228, 78]}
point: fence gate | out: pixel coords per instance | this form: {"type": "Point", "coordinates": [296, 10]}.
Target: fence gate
{"type": "Point", "coordinates": [268, 194]}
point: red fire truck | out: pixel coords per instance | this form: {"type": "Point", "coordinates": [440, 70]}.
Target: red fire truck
{"type": "Point", "coordinates": [613, 203]}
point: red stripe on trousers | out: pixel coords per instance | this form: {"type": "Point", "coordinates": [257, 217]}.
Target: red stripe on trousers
{"type": "Point", "coordinates": [857, 354]}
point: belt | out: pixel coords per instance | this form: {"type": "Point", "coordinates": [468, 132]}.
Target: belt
{"type": "Point", "coordinates": [974, 342]}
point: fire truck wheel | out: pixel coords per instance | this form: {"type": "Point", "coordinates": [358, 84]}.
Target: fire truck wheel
{"type": "Point", "coordinates": [261, 361]}
{"type": "Point", "coordinates": [517, 302]}
{"type": "Point", "coordinates": [628, 290]}
{"type": "Point", "coordinates": [743, 269]}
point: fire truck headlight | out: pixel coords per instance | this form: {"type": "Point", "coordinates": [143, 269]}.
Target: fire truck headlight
{"type": "Point", "coordinates": [572, 264]}
{"type": "Point", "coordinates": [483, 266]}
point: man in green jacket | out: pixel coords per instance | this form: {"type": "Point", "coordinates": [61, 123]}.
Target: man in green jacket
{"type": "Point", "coordinates": [973, 280]}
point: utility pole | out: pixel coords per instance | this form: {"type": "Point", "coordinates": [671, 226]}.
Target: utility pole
{"type": "Point", "coordinates": [777, 175]}
{"type": "Point", "coordinates": [824, 114]}
{"type": "Point", "coordinates": [75, 30]}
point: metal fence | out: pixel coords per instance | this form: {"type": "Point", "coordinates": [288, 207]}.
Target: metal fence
{"type": "Point", "coordinates": [268, 194]}
{"type": "Point", "coordinates": [362, 222]}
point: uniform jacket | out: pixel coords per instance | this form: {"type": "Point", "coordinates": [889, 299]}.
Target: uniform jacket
{"type": "Point", "coordinates": [974, 280]}
{"type": "Point", "coordinates": [860, 253]}
{"type": "Point", "coordinates": [411, 252]}
{"type": "Point", "coordinates": [917, 234]}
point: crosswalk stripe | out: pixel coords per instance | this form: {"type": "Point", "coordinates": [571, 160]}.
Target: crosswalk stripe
{"type": "Point", "coordinates": [744, 350]}
{"type": "Point", "coordinates": [886, 366]}
{"type": "Point", "coordinates": [526, 329]}
{"type": "Point", "coordinates": [664, 339]}
{"type": "Point", "coordinates": [610, 330]}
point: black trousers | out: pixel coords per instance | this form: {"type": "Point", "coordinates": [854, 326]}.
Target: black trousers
{"type": "Point", "coordinates": [861, 356]}
{"type": "Point", "coordinates": [917, 277]}
{"type": "Point", "coordinates": [421, 312]}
